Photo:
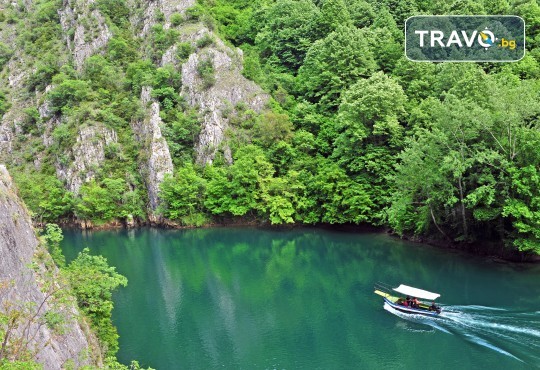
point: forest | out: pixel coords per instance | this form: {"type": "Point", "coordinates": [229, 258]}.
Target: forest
{"type": "Point", "coordinates": [354, 132]}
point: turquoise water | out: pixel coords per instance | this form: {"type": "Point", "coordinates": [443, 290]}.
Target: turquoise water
{"type": "Point", "coordinates": [248, 298]}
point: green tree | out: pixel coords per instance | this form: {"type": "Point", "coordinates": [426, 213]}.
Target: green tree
{"type": "Point", "coordinates": [116, 10]}
{"type": "Point", "coordinates": [45, 195]}
{"type": "Point", "coordinates": [369, 112]}
{"type": "Point", "coordinates": [68, 93]}
{"type": "Point", "coordinates": [53, 236]}
{"type": "Point", "coordinates": [361, 13]}
{"type": "Point", "coordinates": [530, 11]}
{"type": "Point", "coordinates": [272, 127]}
{"type": "Point", "coordinates": [371, 135]}
{"type": "Point", "coordinates": [181, 130]}
{"type": "Point", "coordinates": [342, 199]}
{"type": "Point", "coordinates": [107, 200]}
{"type": "Point", "coordinates": [334, 13]}
{"type": "Point", "coordinates": [279, 200]}
{"type": "Point", "coordinates": [523, 208]}
{"type": "Point", "coordinates": [288, 32]}
{"type": "Point", "coordinates": [93, 282]}
{"type": "Point", "coordinates": [183, 196]}
{"type": "Point", "coordinates": [237, 190]}
{"type": "Point", "coordinates": [467, 170]}
{"type": "Point", "coordinates": [333, 64]}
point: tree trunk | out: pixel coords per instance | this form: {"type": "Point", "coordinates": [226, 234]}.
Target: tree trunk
{"type": "Point", "coordinates": [463, 215]}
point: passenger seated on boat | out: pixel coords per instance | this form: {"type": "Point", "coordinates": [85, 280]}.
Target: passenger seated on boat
{"type": "Point", "coordinates": [414, 303]}
{"type": "Point", "coordinates": [409, 302]}
{"type": "Point", "coordinates": [433, 307]}
{"type": "Point", "coordinates": [405, 303]}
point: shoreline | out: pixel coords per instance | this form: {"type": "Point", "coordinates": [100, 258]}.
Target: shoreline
{"type": "Point", "coordinates": [493, 253]}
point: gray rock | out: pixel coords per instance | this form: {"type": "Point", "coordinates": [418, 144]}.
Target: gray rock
{"type": "Point", "coordinates": [18, 244]}
{"type": "Point", "coordinates": [229, 89]}
{"type": "Point", "coordinates": [88, 154]}
{"type": "Point", "coordinates": [158, 163]}
{"type": "Point", "coordinates": [151, 9]}
{"type": "Point", "coordinates": [75, 17]}
{"type": "Point", "coordinates": [6, 139]}
{"type": "Point", "coordinates": [169, 57]}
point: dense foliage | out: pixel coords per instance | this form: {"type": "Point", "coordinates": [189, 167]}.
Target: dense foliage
{"type": "Point", "coordinates": [93, 281]}
{"type": "Point", "coordinates": [439, 150]}
{"type": "Point", "coordinates": [354, 133]}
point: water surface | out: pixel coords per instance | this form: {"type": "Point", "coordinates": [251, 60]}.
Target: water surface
{"type": "Point", "coordinates": [248, 298]}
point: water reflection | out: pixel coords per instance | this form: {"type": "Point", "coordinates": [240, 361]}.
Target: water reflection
{"type": "Point", "coordinates": [252, 298]}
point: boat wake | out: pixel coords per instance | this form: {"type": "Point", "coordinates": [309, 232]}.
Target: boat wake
{"type": "Point", "coordinates": [513, 334]}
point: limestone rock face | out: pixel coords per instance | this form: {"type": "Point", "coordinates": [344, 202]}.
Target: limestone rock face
{"type": "Point", "coordinates": [85, 29]}
{"type": "Point", "coordinates": [81, 163]}
{"type": "Point", "coordinates": [85, 32]}
{"type": "Point", "coordinates": [229, 89]}
{"type": "Point", "coordinates": [20, 285]}
{"type": "Point", "coordinates": [230, 86]}
{"type": "Point", "coordinates": [151, 10]}
{"type": "Point", "coordinates": [158, 160]}
{"type": "Point", "coordinates": [6, 138]}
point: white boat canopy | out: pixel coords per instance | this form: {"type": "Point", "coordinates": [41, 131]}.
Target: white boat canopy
{"type": "Point", "coordinates": [415, 292]}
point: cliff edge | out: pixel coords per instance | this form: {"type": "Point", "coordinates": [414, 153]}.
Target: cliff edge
{"type": "Point", "coordinates": [40, 322]}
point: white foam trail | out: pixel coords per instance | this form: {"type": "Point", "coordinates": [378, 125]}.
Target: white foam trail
{"type": "Point", "coordinates": [484, 343]}
{"type": "Point", "coordinates": [490, 327]}
{"type": "Point", "coordinates": [484, 321]}
{"type": "Point", "coordinates": [474, 307]}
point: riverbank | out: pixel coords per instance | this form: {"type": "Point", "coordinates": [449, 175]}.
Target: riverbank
{"type": "Point", "coordinates": [493, 251]}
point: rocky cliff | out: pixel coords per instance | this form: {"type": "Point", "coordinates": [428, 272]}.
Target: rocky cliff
{"type": "Point", "coordinates": [158, 161]}
{"type": "Point", "coordinates": [220, 99]}
{"type": "Point", "coordinates": [85, 29]}
{"type": "Point", "coordinates": [92, 124]}
{"type": "Point", "coordinates": [28, 295]}
{"type": "Point", "coordinates": [214, 101]}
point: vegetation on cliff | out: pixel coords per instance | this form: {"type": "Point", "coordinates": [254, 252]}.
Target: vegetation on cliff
{"type": "Point", "coordinates": [353, 132]}
{"type": "Point", "coordinates": [90, 280]}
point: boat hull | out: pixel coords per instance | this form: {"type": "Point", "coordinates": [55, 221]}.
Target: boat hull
{"type": "Point", "coordinates": [411, 310]}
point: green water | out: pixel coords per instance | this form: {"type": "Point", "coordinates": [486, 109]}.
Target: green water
{"type": "Point", "coordinates": [246, 298]}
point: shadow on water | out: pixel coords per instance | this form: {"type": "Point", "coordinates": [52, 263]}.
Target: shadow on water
{"type": "Point", "coordinates": [511, 333]}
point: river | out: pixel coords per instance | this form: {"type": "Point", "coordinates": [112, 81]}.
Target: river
{"type": "Point", "coordinates": [250, 298]}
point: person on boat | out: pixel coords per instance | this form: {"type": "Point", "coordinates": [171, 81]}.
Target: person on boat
{"type": "Point", "coordinates": [414, 302]}
{"type": "Point", "coordinates": [433, 307]}
{"type": "Point", "coordinates": [405, 303]}
{"type": "Point", "coordinates": [408, 301]}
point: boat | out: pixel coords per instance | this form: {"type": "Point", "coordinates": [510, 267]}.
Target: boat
{"type": "Point", "coordinates": [399, 302]}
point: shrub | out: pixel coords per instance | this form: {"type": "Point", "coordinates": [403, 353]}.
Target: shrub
{"type": "Point", "coordinates": [183, 50]}
{"type": "Point", "coordinates": [4, 103]}
{"type": "Point", "coordinates": [205, 41]}
{"type": "Point", "coordinates": [162, 39]}
{"type": "Point", "coordinates": [272, 127]}
{"type": "Point", "coordinates": [116, 10]}
{"type": "Point", "coordinates": [206, 72]}
{"type": "Point", "coordinates": [30, 121]}
{"type": "Point", "coordinates": [139, 74]}
{"type": "Point", "coordinates": [53, 236]}
{"type": "Point", "coordinates": [5, 54]}
{"type": "Point", "coordinates": [176, 19]}
{"type": "Point", "coordinates": [194, 13]}
{"type": "Point", "coordinates": [181, 131]}
{"type": "Point", "coordinates": [68, 93]}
